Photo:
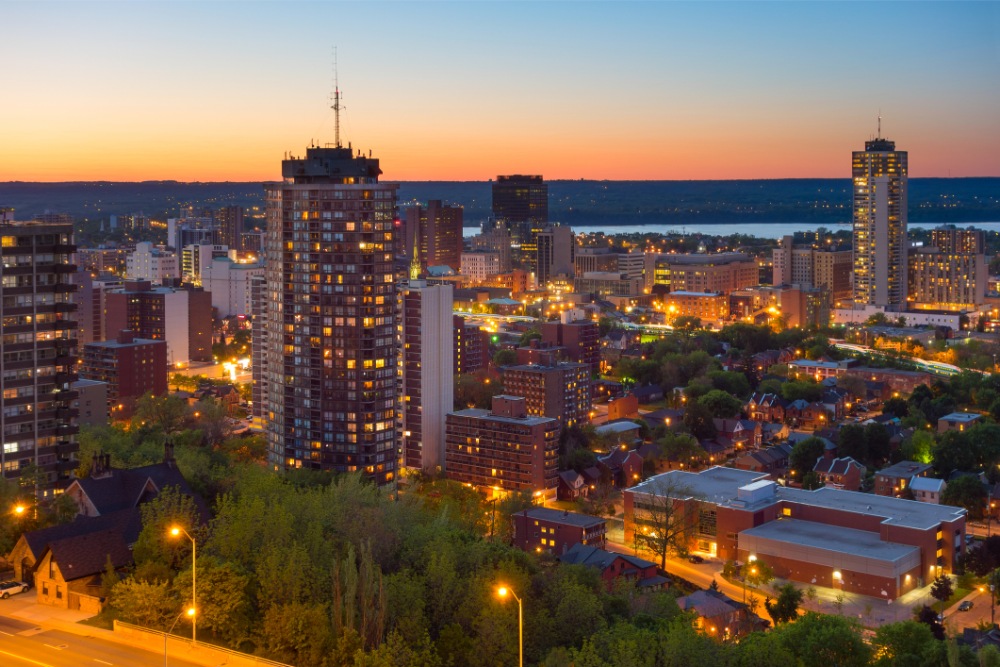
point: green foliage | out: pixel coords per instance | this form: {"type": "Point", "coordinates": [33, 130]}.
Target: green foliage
{"type": "Point", "coordinates": [224, 602]}
{"type": "Point", "coordinates": [476, 390]}
{"type": "Point", "coordinates": [785, 607]}
{"type": "Point", "coordinates": [721, 404]}
{"type": "Point", "coordinates": [904, 644]}
{"type": "Point", "coordinates": [804, 455]}
{"type": "Point", "coordinates": [816, 639]}
{"type": "Point", "coordinates": [504, 358]}
{"type": "Point", "coordinates": [942, 588]}
{"type": "Point", "coordinates": [152, 605]}
{"type": "Point", "coordinates": [806, 390]}
{"type": "Point", "coordinates": [968, 492]}
{"type": "Point", "coordinates": [155, 544]}
{"type": "Point", "coordinates": [698, 420]}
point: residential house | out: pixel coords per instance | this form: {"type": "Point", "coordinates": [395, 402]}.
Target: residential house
{"type": "Point", "coordinates": [623, 465]}
{"type": "Point", "coordinates": [544, 529]}
{"type": "Point", "coordinates": [840, 473]}
{"type": "Point", "coordinates": [957, 421]}
{"type": "Point", "coordinates": [614, 566]}
{"type": "Point", "coordinates": [744, 433]}
{"type": "Point", "coordinates": [649, 394]}
{"type": "Point", "coordinates": [766, 407]}
{"type": "Point", "coordinates": [772, 461]}
{"type": "Point", "coordinates": [893, 480]}
{"type": "Point", "coordinates": [70, 571]}
{"type": "Point", "coordinates": [572, 486]}
{"type": "Point", "coordinates": [929, 490]}
{"type": "Point", "coordinates": [718, 616]}
{"type": "Point", "coordinates": [227, 395]}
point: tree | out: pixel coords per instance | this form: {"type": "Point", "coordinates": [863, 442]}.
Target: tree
{"type": "Point", "coordinates": [721, 404]}
{"type": "Point", "coordinates": [968, 492]}
{"type": "Point", "coordinates": [165, 413]}
{"type": "Point", "coordinates": [296, 633]}
{"type": "Point", "coordinates": [804, 455]}
{"type": "Point", "coordinates": [902, 644]}
{"type": "Point", "coordinates": [851, 442]}
{"type": "Point", "coordinates": [877, 443]}
{"type": "Point", "coordinates": [854, 385]}
{"type": "Point", "coordinates": [929, 617]}
{"type": "Point", "coordinates": [819, 639]}
{"type": "Point", "coordinates": [682, 448]}
{"type": "Point", "coordinates": [476, 391]}
{"type": "Point", "coordinates": [150, 605]}
{"type": "Point", "coordinates": [223, 599]}
{"type": "Point", "coordinates": [664, 518]}
{"type": "Point", "coordinates": [504, 358]}
{"type": "Point", "coordinates": [730, 382]}
{"type": "Point", "coordinates": [896, 406]}
{"type": "Point", "coordinates": [942, 588]}
{"type": "Point", "coordinates": [785, 607]}
{"type": "Point", "coordinates": [698, 420]}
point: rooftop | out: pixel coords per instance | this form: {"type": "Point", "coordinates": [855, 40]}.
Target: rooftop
{"type": "Point", "coordinates": [831, 538]}
{"type": "Point", "coordinates": [961, 417]}
{"type": "Point", "coordinates": [721, 485]}
{"type": "Point", "coordinates": [561, 516]}
{"type": "Point", "coordinates": [904, 469]}
{"type": "Point", "coordinates": [479, 413]}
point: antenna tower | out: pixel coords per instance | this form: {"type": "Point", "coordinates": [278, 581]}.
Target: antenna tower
{"type": "Point", "coordinates": [336, 102]}
{"type": "Point", "coordinates": [879, 124]}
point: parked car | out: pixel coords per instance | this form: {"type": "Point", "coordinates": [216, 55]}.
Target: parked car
{"type": "Point", "coordinates": [696, 559]}
{"type": "Point", "coordinates": [8, 588]}
{"type": "Point", "coordinates": [965, 606]}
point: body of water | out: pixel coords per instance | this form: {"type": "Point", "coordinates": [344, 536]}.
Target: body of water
{"type": "Point", "coordinates": [773, 230]}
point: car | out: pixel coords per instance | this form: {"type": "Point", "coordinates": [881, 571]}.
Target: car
{"type": "Point", "coordinates": [965, 606]}
{"type": "Point", "coordinates": [8, 588]}
{"type": "Point", "coordinates": [696, 559]}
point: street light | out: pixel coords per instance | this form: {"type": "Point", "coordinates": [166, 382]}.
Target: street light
{"type": "Point", "coordinates": [502, 592]}
{"type": "Point", "coordinates": [175, 531]}
{"type": "Point", "coordinates": [189, 612]}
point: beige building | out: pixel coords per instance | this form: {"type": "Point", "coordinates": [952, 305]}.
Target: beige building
{"type": "Point", "coordinates": [952, 273]}
{"type": "Point", "coordinates": [608, 284]}
{"type": "Point", "coordinates": [706, 306]}
{"type": "Point", "coordinates": [806, 266]}
{"type": "Point", "coordinates": [722, 273]}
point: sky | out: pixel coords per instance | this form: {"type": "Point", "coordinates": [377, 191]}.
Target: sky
{"type": "Point", "coordinates": [222, 91]}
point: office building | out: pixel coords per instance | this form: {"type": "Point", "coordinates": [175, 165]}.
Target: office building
{"type": "Point", "coordinates": [951, 273]}
{"type": "Point", "coordinates": [504, 449]}
{"type": "Point", "coordinates": [521, 204]}
{"type": "Point", "coordinates": [437, 230]}
{"type": "Point", "coordinates": [604, 284]}
{"type": "Point", "coordinates": [38, 351]}
{"type": "Point", "coordinates": [880, 217]}
{"type": "Point", "coordinates": [330, 308]}
{"type": "Point", "coordinates": [197, 258]}
{"type": "Point", "coordinates": [130, 367]}
{"type": "Point", "coordinates": [560, 390]}
{"type": "Point", "coordinates": [499, 241]}
{"type": "Point", "coordinates": [427, 372]}
{"type": "Point", "coordinates": [181, 317]}
{"type": "Point", "coordinates": [807, 266]}
{"type": "Point", "coordinates": [700, 272]}
{"type": "Point", "coordinates": [153, 264]}
{"type": "Point", "coordinates": [554, 254]}
{"type": "Point", "coordinates": [229, 227]}
{"type": "Point", "coordinates": [478, 266]}
{"type": "Point", "coordinates": [855, 542]}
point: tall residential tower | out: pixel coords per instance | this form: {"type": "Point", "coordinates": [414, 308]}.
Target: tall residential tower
{"type": "Point", "coordinates": [880, 216]}
{"type": "Point", "coordinates": [329, 387]}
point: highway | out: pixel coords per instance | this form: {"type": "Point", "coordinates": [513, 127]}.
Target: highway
{"type": "Point", "coordinates": [23, 643]}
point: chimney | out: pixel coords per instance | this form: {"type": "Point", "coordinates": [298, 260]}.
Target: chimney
{"type": "Point", "coordinates": [126, 336]}
{"type": "Point", "coordinates": [168, 453]}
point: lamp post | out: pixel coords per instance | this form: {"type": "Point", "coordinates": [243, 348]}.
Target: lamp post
{"type": "Point", "coordinates": [175, 531]}
{"type": "Point", "coordinates": [502, 592]}
{"type": "Point", "coordinates": [189, 612]}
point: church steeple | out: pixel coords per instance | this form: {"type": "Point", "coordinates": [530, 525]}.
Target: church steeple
{"type": "Point", "coordinates": [415, 263]}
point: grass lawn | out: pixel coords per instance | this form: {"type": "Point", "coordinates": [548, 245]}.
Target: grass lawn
{"type": "Point", "coordinates": [955, 597]}
{"type": "Point", "coordinates": [104, 620]}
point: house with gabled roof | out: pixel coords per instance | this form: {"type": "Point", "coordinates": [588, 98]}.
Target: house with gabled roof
{"type": "Point", "coordinates": [613, 566]}
{"type": "Point", "coordinates": [70, 570]}
{"type": "Point", "coordinates": [840, 473]}
{"type": "Point", "coordinates": [765, 407]}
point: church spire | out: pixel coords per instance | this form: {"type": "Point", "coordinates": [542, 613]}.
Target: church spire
{"type": "Point", "coordinates": [415, 263]}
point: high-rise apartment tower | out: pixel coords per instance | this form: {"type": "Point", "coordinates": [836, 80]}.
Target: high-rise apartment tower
{"type": "Point", "coordinates": [880, 216]}
{"type": "Point", "coordinates": [329, 391]}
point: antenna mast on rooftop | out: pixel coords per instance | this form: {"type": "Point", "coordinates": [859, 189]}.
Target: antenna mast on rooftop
{"type": "Point", "coordinates": [336, 102]}
{"type": "Point", "coordinates": [879, 135]}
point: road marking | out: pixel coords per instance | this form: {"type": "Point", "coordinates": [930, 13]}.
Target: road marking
{"type": "Point", "coordinates": [59, 647]}
{"type": "Point", "coordinates": [34, 662]}
{"type": "Point", "coordinates": [6, 633]}
{"type": "Point", "coordinates": [102, 662]}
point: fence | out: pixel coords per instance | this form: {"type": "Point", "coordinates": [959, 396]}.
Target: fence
{"type": "Point", "coordinates": [183, 647]}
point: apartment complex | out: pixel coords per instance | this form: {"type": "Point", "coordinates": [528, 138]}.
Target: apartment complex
{"type": "Point", "coordinates": [129, 366]}
{"type": "Point", "coordinates": [721, 273]}
{"type": "Point", "coordinates": [555, 250]}
{"type": "Point", "coordinates": [521, 205]}
{"type": "Point", "coordinates": [807, 266]}
{"type": "Point", "coordinates": [181, 317]}
{"type": "Point", "coordinates": [330, 385]}
{"type": "Point", "coordinates": [504, 449]}
{"type": "Point", "coordinates": [951, 273]}
{"type": "Point", "coordinates": [560, 390]}
{"type": "Point", "coordinates": [38, 351]}
{"type": "Point", "coordinates": [437, 231]}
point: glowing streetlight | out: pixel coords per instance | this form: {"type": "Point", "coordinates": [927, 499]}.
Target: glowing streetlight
{"type": "Point", "coordinates": [175, 531]}
{"type": "Point", "coordinates": [187, 612]}
{"type": "Point", "coordinates": [502, 592]}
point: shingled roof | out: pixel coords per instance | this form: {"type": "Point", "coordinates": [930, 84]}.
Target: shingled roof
{"type": "Point", "coordinates": [86, 555]}
{"type": "Point", "coordinates": [127, 522]}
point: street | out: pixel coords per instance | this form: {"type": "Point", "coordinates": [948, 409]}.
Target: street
{"type": "Point", "coordinates": [23, 643]}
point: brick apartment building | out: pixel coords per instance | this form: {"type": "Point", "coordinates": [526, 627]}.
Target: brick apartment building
{"type": "Point", "coordinates": [503, 449]}
{"type": "Point", "coordinates": [181, 317]}
{"type": "Point", "coordinates": [129, 366]}
{"type": "Point", "coordinates": [543, 529]}
{"type": "Point", "coordinates": [858, 542]}
{"type": "Point", "coordinates": [560, 390]}
{"type": "Point", "coordinates": [580, 340]}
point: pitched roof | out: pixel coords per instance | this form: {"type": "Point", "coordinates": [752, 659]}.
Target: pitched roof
{"type": "Point", "coordinates": [584, 554]}
{"type": "Point", "coordinates": [839, 466]}
{"type": "Point", "coordinates": [127, 522]}
{"type": "Point", "coordinates": [708, 604]}
{"type": "Point", "coordinates": [85, 555]}
{"type": "Point", "coordinates": [928, 484]}
{"type": "Point", "coordinates": [120, 489]}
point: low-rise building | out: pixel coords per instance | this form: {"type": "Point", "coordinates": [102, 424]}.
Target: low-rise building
{"type": "Point", "coordinates": [556, 531]}
{"type": "Point", "coordinates": [892, 481]}
{"type": "Point", "coordinates": [957, 421]}
{"type": "Point", "coordinates": [129, 366]}
{"type": "Point", "coordinates": [615, 566]}
{"type": "Point", "coordinates": [840, 473]}
{"type": "Point", "coordinates": [928, 489]}
{"type": "Point", "coordinates": [856, 542]}
{"type": "Point", "coordinates": [503, 449]}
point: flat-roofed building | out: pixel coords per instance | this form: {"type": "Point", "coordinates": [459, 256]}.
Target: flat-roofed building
{"type": "Point", "coordinates": [130, 366]}
{"type": "Point", "coordinates": [857, 542]}
{"type": "Point", "coordinates": [706, 306]}
{"type": "Point", "coordinates": [699, 272]}
{"type": "Point", "coordinates": [503, 449]}
{"type": "Point", "coordinates": [958, 421]}
{"type": "Point", "coordinates": [555, 531]}
{"type": "Point", "coordinates": [560, 390]}
{"type": "Point", "coordinates": [607, 284]}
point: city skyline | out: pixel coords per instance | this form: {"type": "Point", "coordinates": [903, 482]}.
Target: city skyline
{"type": "Point", "coordinates": [672, 91]}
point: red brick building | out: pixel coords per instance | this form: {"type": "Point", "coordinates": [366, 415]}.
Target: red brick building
{"type": "Point", "coordinates": [503, 449]}
{"type": "Point", "coordinates": [858, 542]}
{"type": "Point", "coordinates": [180, 316]}
{"type": "Point", "coordinates": [543, 529]}
{"type": "Point", "coordinates": [893, 480]}
{"type": "Point", "coordinates": [580, 339]}
{"type": "Point", "coordinates": [614, 566]}
{"type": "Point", "coordinates": [842, 473]}
{"type": "Point", "coordinates": [560, 390]}
{"type": "Point", "coordinates": [130, 366]}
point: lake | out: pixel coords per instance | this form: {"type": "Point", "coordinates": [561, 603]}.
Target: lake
{"type": "Point", "coordinates": [773, 230]}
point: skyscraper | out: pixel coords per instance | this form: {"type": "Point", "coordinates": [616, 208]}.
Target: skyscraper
{"type": "Point", "coordinates": [38, 352]}
{"type": "Point", "coordinates": [522, 203]}
{"type": "Point", "coordinates": [880, 216]}
{"type": "Point", "coordinates": [555, 251]}
{"type": "Point", "coordinates": [229, 227]}
{"type": "Point", "coordinates": [329, 387]}
{"type": "Point", "coordinates": [437, 229]}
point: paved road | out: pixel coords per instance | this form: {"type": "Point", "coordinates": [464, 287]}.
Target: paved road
{"type": "Point", "coordinates": [23, 643]}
